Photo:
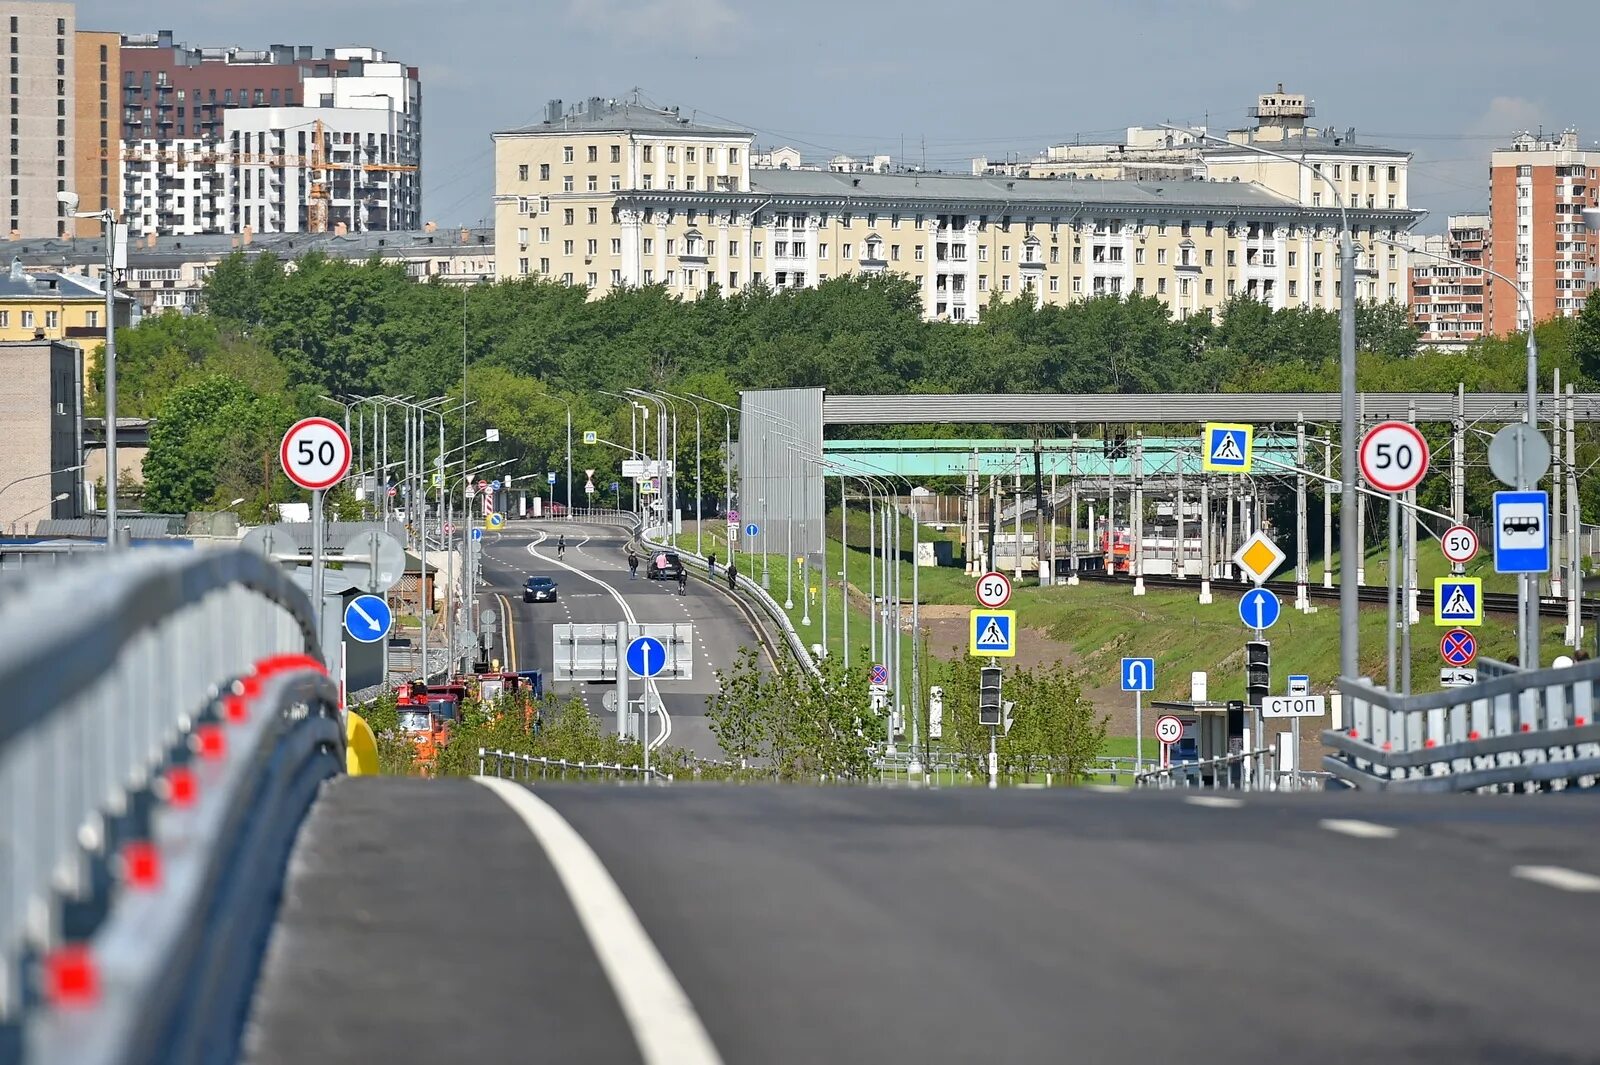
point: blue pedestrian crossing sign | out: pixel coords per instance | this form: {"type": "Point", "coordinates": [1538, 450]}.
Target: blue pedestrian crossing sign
{"type": "Point", "coordinates": [1457, 601]}
{"type": "Point", "coordinates": [1138, 674]}
{"type": "Point", "coordinates": [367, 619]}
{"type": "Point", "coordinates": [646, 656]}
{"type": "Point", "coordinates": [1522, 532]}
{"type": "Point", "coordinates": [1227, 447]}
{"type": "Point", "coordinates": [993, 632]}
{"type": "Point", "coordinates": [1259, 609]}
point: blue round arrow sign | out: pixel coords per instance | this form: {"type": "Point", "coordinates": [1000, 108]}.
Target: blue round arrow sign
{"type": "Point", "coordinates": [1259, 609]}
{"type": "Point", "coordinates": [367, 619]}
{"type": "Point", "coordinates": [646, 656]}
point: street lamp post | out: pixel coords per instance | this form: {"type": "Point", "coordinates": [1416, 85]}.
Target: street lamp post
{"type": "Point", "coordinates": [1349, 534]}
{"type": "Point", "coordinates": [108, 219]}
{"type": "Point", "coordinates": [699, 546]}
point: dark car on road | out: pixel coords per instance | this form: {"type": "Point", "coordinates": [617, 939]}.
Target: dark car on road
{"type": "Point", "coordinates": [664, 566]}
{"type": "Point", "coordinates": [539, 590]}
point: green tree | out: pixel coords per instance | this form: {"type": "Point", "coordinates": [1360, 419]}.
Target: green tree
{"type": "Point", "coordinates": [212, 437]}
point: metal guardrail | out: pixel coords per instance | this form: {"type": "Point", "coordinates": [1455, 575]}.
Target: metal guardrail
{"type": "Point", "coordinates": [165, 729]}
{"type": "Point", "coordinates": [1514, 729]}
{"type": "Point", "coordinates": [797, 646]}
{"type": "Point", "coordinates": [1255, 770]}
{"type": "Point", "coordinates": [513, 766]}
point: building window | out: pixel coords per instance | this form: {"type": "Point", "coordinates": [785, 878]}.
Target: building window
{"type": "Point", "coordinates": [594, 216]}
{"type": "Point", "coordinates": [1161, 257]}
{"type": "Point", "coordinates": [1055, 284]}
{"type": "Point", "coordinates": [688, 155]}
{"type": "Point", "coordinates": [27, 319]}
{"type": "Point", "coordinates": [1161, 286]}
{"type": "Point", "coordinates": [566, 154]}
{"type": "Point", "coordinates": [544, 204]}
{"type": "Point", "coordinates": [522, 236]}
{"type": "Point", "coordinates": [1005, 283]}
{"type": "Point", "coordinates": [1294, 257]}
{"type": "Point", "coordinates": [594, 183]}
{"type": "Point", "coordinates": [593, 246]}
{"type": "Point", "coordinates": [616, 245]}
{"type": "Point", "coordinates": [672, 157]}
{"type": "Point", "coordinates": [522, 265]}
{"type": "Point", "coordinates": [649, 245]}
{"type": "Point", "coordinates": [544, 171]}
{"type": "Point", "coordinates": [733, 249]}
{"type": "Point", "coordinates": [646, 182]}
{"type": "Point", "coordinates": [91, 319]}
{"type": "Point", "coordinates": [544, 234]}
{"type": "Point", "coordinates": [1210, 259]}
{"type": "Point", "coordinates": [1210, 287]}
{"type": "Point", "coordinates": [983, 253]}
{"type": "Point", "coordinates": [567, 216]}
{"type": "Point", "coordinates": [544, 266]}
{"type": "Point", "coordinates": [616, 182]}
{"type": "Point", "coordinates": [733, 155]}
{"type": "Point", "coordinates": [1232, 287]}
{"type": "Point", "coordinates": [649, 153]}
{"type": "Point", "coordinates": [522, 172]}
{"type": "Point", "coordinates": [1233, 257]}
{"type": "Point", "coordinates": [566, 247]}
{"type": "Point", "coordinates": [1138, 256]}
{"type": "Point", "coordinates": [894, 253]}
{"type": "Point", "coordinates": [616, 276]}
{"type": "Point", "coordinates": [822, 251]}
{"type": "Point", "coordinates": [566, 183]}
{"type": "Point", "coordinates": [755, 249]}
{"type": "Point", "coordinates": [1294, 288]}
{"type": "Point", "coordinates": [616, 153]}
{"type": "Point", "coordinates": [594, 153]}
{"type": "Point", "coordinates": [920, 250]}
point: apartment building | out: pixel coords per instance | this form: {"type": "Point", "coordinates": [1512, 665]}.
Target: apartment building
{"type": "Point", "coordinates": [1447, 283]}
{"type": "Point", "coordinates": [280, 140]}
{"type": "Point", "coordinates": [169, 273]}
{"type": "Point", "coordinates": [1538, 189]}
{"type": "Point", "coordinates": [41, 421]}
{"type": "Point", "coordinates": [612, 194]}
{"type": "Point", "coordinates": [1144, 154]}
{"type": "Point", "coordinates": [59, 96]}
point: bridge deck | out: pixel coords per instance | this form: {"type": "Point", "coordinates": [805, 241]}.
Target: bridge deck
{"type": "Point", "coordinates": [424, 923]}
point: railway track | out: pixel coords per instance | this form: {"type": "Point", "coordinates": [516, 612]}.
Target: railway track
{"type": "Point", "coordinates": [1493, 602]}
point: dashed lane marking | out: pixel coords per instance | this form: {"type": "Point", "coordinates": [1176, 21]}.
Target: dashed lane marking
{"type": "Point", "coordinates": [664, 1021]}
{"type": "Point", "coordinates": [1557, 877]}
{"type": "Point", "coordinates": [1358, 829]}
{"type": "Point", "coordinates": [1214, 802]}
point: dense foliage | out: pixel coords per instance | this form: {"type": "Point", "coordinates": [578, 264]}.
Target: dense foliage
{"type": "Point", "coordinates": [536, 349]}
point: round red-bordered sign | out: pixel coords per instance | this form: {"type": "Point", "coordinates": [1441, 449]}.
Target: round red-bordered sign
{"type": "Point", "coordinates": [1169, 726]}
{"type": "Point", "coordinates": [1394, 456]}
{"type": "Point", "coordinates": [1459, 544]}
{"type": "Point", "coordinates": [993, 590]}
{"type": "Point", "coordinates": [315, 453]}
{"type": "Point", "coordinates": [1458, 647]}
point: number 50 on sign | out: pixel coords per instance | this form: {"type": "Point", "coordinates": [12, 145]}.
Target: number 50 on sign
{"type": "Point", "coordinates": [315, 453]}
{"type": "Point", "coordinates": [1394, 456]}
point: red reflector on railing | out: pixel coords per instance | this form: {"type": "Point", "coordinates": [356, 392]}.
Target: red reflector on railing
{"type": "Point", "coordinates": [141, 864]}
{"type": "Point", "coordinates": [1430, 743]}
{"type": "Point", "coordinates": [1388, 746]}
{"type": "Point", "coordinates": [210, 742]}
{"type": "Point", "coordinates": [1524, 727]}
{"type": "Point", "coordinates": [180, 785]}
{"type": "Point", "coordinates": [71, 977]}
{"type": "Point", "coordinates": [1354, 734]}
{"type": "Point", "coordinates": [1580, 721]}
{"type": "Point", "coordinates": [235, 708]}
{"type": "Point", "coordinates": [1474, 735]}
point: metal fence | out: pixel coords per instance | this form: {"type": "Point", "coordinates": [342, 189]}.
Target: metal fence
{"type": "Point", "coordinates": [166, 727]}
{"type": "Point", "coordinates": [1514, 729]}
{"type": "Point", "coordinates": [512, 766]}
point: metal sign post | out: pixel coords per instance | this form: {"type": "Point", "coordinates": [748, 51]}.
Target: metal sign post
{"type": "Point", "coordinates": [1138, 677]}
{"type": "Point", "coordinates": [315, 454]}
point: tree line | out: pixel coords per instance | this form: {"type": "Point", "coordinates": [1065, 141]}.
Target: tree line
{"type": "Point", "coordinates": [274, 337]}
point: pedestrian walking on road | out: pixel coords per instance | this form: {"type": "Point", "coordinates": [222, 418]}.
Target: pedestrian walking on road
{"type": "Point", "coordinates": [633, 565]}
{"type": "Point", "coordinates": [733, 577]}
{"type": "Point", "coordinates": [683, 580]}
{"type": "Point", "coordinates": [711, 564]}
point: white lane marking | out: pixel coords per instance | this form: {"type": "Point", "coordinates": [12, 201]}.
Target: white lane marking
{"type": "Point", "coordinates": [1358, 829]}
{"type": "Point", "coordinates": [1557, 877]}
{"type": "Point", "coordinates": [664, 1021]}
{"type": "Point", "coordinates": [1105, 789]}
{"type": "Point", "coordinates": [627, 613]}
{"type": "Point", "coordinates": [1213, 802]}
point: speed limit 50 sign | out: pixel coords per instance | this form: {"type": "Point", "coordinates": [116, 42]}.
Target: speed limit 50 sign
{"type": "Point", "coordinates": [1394, 456]}
{"type": "Point", "coordinates": [315, 453]}
{"type": "Point", "coordinates": [993, 589]}
{"type": "Point", "coordinates": [1459, 543]}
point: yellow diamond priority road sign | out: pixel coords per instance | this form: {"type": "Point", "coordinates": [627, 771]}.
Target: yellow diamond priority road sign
{"type": "Point", "coordinates": [1259, 557]}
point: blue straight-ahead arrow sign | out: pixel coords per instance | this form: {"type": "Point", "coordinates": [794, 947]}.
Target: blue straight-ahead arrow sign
{"type": "Point", "coordinates": [1259, 609]}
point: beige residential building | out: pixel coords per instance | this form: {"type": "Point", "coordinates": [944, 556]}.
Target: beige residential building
{"type": "Point", "coordinates": [613, 194]}
{"type": "Point", "coordinates": [41, 421]}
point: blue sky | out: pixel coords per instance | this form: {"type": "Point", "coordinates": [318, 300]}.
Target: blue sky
{"type": "Point", "coordinates": [948, 79]}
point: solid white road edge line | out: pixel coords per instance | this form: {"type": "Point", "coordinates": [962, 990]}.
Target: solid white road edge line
{"type": "Point", "coordinates": [1557, 877]}
{"type": "Point", "coordinates": [664, 1021]}
{"type": "Point", "coordinates": [1359, 829]}
{"type": "Point", "coordinates": [627, 612]}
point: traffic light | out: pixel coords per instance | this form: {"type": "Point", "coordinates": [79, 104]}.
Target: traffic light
{"type": "Point", "coordinates": [1257, 671]}
{"type": "Point", "coordinates": [989, 708]}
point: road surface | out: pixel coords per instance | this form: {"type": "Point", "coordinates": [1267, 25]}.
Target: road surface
{"type": "Point", "coordinates": [599, 552]}
{"type": "Point", "coordinates": [426, 921]}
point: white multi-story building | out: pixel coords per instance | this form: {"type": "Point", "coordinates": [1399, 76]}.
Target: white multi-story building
{"type": "Point", "coordinates": [280, 140]}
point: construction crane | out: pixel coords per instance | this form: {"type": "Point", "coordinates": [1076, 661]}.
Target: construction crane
{"type": "Point", "coordinates": [319, 198]}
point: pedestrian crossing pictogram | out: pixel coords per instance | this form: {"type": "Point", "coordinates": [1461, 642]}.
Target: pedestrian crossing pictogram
{"type": "Point", "coordinates": [1457, 601]}
{"type": "Point", "coordinates": [1228, 447]}
{"type": "Point", "coordinates": [993, 632]}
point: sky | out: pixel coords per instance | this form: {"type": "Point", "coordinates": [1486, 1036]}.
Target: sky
{"type": "Point", "coordinates": [939, 81]}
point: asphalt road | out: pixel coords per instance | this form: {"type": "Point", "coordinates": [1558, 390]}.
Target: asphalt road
{"type": "Point", "coordinates": [433, 921]}
{"type": "Point", "coordinates": [528, 548]}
